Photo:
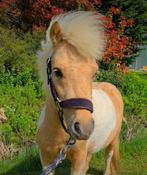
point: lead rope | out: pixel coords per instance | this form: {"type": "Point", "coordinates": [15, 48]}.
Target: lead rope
{"type": "Point", "coordinates": [61, 156]}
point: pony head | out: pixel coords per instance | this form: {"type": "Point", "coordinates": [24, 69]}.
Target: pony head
{"type": "Point", "coordinates": [74, 40]}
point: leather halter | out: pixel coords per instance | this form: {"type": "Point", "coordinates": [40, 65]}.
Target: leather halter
{"type": "Point", "coordinates": [74, 103]}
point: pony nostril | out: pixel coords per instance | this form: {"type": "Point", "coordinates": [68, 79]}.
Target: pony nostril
{"type": "Point", "coordinates": [77, 128]}
{"type": "Point", "coordinates": [82, 131]}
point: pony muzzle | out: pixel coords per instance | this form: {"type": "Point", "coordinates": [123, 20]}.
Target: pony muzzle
{"type": "Point", "coordinates": [82, 125]}
{"type": "Point", "coordinates": [82, 130]}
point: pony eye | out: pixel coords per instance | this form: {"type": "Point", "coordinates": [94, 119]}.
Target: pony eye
{"type": "Point", "coordinates": [58, 73]}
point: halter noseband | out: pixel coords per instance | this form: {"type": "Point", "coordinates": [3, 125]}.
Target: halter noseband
{"type": "Point", "coordinates": [74, 103]}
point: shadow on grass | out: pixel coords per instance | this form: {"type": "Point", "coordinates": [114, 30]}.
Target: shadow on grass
{"type": "Point", "coordinates": [93, 171]}
{"type": "Point", "coordinates": [25, 163]}
{"type": "Point", "coordinates": [31, 166]}
{"type": "Point", "coordinates": [64, 169]}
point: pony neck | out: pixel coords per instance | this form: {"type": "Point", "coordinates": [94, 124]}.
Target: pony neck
{"type": "Point", "coordinates": [51, 113]}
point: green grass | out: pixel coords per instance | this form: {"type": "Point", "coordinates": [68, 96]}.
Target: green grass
{"type": "Point", "coordinates": [133, 160]}
{"type": "Point", "coordinates": [26, 163]}
{"type": "Point", "coordinates": [133, 157]}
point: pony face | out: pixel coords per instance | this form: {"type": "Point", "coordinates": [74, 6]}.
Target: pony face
{"type": "Point", "coordinates": [72, 75]}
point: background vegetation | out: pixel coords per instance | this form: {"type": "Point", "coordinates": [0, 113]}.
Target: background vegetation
{"type": "Point", "coordinates": [21, 95]}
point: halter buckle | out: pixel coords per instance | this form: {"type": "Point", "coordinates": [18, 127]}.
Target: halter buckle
{"type": "Point", "coordinates": [58, 104]}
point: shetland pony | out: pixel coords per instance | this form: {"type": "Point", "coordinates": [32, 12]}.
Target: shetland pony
{"type": "Point", "coordinates": [75, 41]}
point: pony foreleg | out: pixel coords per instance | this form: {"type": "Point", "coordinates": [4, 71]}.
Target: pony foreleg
{"type": "Point", "coordinates": [89, 155]}
{"type": "Point", "coordinates": [45, 160]}
{"type": "Point", "coordinates": [80, 163]}
{"type": "Point", "coordinates": [112, 152]}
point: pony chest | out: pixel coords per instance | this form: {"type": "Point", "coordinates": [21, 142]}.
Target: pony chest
{"type": "Point", "coordinates": [104, 116]}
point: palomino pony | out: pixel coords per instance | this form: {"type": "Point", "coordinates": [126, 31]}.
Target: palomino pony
{"type": "Point", "coordinates": [92, 113]}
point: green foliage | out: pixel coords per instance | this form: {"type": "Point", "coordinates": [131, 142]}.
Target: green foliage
{"type": "Point", "coordinates": [21, 98]}
{"type": "Point", "coordinates": [17, 53]}
{"type": "Point", "coordinates": [22, 163]}
{"type": "Point", "coordinates": [135, 94]}
{"type": "Point", "coordinates": [133, 87]}
{"type": "Point", "coordinates": [20, 90]}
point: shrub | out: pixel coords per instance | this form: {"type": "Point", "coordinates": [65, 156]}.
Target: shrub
{"type": "Point", "coordinates": [21, 98]}
{"type": "Point", "coordinates": [17, 53]}
{"type": "Point", "coordinates": [135, 94]}
{"type": "Point", "coordinates": [132, 86]}
{"type": "Point", "coordinates": [20, 90]}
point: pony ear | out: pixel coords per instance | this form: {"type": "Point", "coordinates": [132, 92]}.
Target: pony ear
{"type": "Point", "coordinates": [56, 34]}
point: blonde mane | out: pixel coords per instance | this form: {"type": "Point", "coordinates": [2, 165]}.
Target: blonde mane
{"type": "Point", "coordinates": [82, 29]}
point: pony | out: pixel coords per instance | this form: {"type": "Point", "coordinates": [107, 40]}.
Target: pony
{"type": "Point", "coordinates": [74, 42]}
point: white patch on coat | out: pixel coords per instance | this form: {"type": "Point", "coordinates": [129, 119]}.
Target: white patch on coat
{"type": "Point", "coordinates": [104, 116]}
{"type": "Point", "coordinates": [41, 118]}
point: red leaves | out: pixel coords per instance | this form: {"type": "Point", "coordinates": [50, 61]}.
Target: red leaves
{"type": "Point", "coordinates": [42, 12]}
{"type": "Point", "coordinates": [109, 24]}
{"type": "Point", "coordinates": [130, 22]}
{"type": "Point", "coordinates": [119, 45]}
{"type": "Point", "coordinates": [5, 3]}
{"type": "Point", "coordinates": [114, 11]}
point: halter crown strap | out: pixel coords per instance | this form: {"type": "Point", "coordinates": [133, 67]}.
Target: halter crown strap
{"type": "Point", "coordinates": [77, 103]}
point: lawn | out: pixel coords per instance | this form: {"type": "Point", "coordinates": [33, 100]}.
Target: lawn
{"type": "Point", "coordinates": [133, 160]}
